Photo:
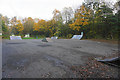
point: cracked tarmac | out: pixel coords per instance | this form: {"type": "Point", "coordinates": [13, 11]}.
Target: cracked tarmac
{"type": "Point", "coordinates": [37, 59]}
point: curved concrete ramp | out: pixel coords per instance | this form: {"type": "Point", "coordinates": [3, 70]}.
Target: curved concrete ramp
{"type": "Point", "coordinates": [54, 37]}
{"type": "Point", "coordinates": [15, 38]}
{"type": "Point", "coordinates": [77, 36]}
{"type": "Point", "coordinates": [113, 61]}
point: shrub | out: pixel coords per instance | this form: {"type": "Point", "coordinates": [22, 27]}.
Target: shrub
{"type": "Point", "coordinates": [69, 36]}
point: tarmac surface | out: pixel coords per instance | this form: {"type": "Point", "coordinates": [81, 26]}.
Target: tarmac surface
{"type": "Point", "coordinates": [52, 59]}
{"type": "Point", "coordinates": [0, 58]}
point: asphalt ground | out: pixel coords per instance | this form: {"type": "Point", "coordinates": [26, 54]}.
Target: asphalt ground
{"type": "Point", "coordinates": [0, 57]}
{"type": "Point", "coordinates": [52, 59]}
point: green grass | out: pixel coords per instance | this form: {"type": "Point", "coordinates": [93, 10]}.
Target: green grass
{"type": "Point", "coordinates": [30, 38]}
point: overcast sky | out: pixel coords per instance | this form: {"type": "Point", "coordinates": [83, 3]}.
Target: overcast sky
{"type": "Point", "coordinates": [35, 8]}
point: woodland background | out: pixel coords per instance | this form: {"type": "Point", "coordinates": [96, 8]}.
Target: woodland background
{"type": "Point", "coordinates": [98, 20]}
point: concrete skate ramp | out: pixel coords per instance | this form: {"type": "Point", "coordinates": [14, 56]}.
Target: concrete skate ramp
{"type": "Point", "coordinates": [49, 39]}
{"type": "Point", "coordinates": [113, 61]}
{"type": "Point", "coordinates": [15, 38]}
{"type": "Point", "coordinates": [77, 37]}
{"type": "Point", "coordinates": [54, 37]}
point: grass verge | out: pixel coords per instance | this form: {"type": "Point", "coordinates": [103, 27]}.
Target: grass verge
{"type": "Point", "coordinates": [31, 38]}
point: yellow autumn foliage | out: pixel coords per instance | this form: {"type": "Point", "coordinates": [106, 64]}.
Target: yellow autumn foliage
{"type": "Point", "coordinates": [80, 18]}
{"type": "Point", "coordinates": [36, 27]}
{"type": "Point", "coordinates": [19, 26]}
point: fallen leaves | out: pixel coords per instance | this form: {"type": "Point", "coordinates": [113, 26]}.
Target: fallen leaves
{"type": "Point", "coordinates": [94, 69]}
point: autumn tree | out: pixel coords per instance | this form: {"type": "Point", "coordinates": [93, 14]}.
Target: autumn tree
{"type": "Point", "coordinates": [36, 27]}
{"type": "Point", "coordinates": [67, 14]}
{"type": "Point", "coordinates": [4, 26]}
{"type": "Point", "coordinates": [0, 23]}
{"type": "Point", "coordinates": [57, 17]}
{"type": "Point", "coordinates": [28, 24]}
{"type": "Point", "coordinates": [13, 21]}
{"type": "Point", "coordinates": [13, 25]}
{"type": "Point", "coordinates": [80, 18]}
{"type": "Point", "coordinates": [40, 27]}
{"type": "Point", "coordinates": [19, 27]}
{"type": "Point", "coordinates": [51, 26]}
{"type": "Point", "coordinates": [94, 17]}
{"type": "Point", "coordinates": [103, 23]}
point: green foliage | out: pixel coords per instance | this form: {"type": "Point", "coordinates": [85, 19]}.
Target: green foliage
{"type": "Point", "coordinates": [0, 23]}
{"type": "Point", "coordinates": [28, 25]}
{"type": "Point", "coordinates": [69, 35]}
{"type": "Point", "coordinates": [4, 27]}
{"type": "Point", "coordinates": [103, 24]}
{"type": "Point", "coordinates": [31, 38]}
{"type": "Point", "coordinates": [5, 33]}
{"type": "Point", "coordinates": [5, 36]}
{"type": "Point", "coordinates": [96, 20]}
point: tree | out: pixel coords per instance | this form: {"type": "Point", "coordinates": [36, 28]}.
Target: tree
{"type": "Point", "coordinates": [36, 27]}
{"type": "Point", "coordinates": [117, 5]}
{"type": "Point", "coordinates": [4, 26]}
{"type": "Point", "coordinates": [12, 25]}
{"type": "Point", "coordinates": [6, 20]}
{"type": "Point", "coordinates": [81, 18]}
{"type": "Point", "coordinates": [51, 24]}
{"type": "Point", "coordinates": [0, 23]}
{"type": "Point", "coordinates": [57, 17]}
{"type": "Point", "coordinates": [39, 27]}
{"type": "Point", "coordinates": [13, 21]}
{"type": "Point", "coordinates": [28, 24]}
{"type": "Point", "coordinates": [19, 27]}
{"type": "Point", "coordinates": [104, 20]}
{"type": "Point", "coordinates": [67, 14]}
{"type": "Point", "coordinates": [103, 23]}
{"type": "Point", "coordinates": [4, 30]}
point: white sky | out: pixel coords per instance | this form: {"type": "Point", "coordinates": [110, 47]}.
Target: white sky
{"type": "Point", "coordinates": [35, 8]}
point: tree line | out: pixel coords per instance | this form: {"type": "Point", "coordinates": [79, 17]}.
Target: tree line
{"type": "Point", "coordinates": [95, 19]}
